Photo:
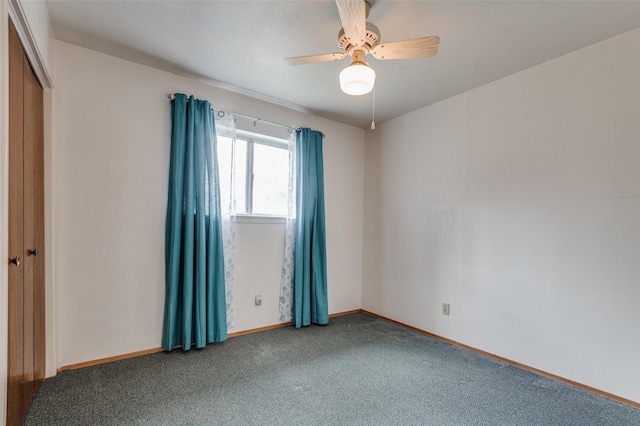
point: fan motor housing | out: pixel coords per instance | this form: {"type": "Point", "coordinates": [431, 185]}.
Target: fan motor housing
{"type": "Point", "coordinates": [372, 38]}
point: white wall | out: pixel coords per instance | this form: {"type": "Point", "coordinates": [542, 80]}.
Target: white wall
{"type": "Point", "coordinates": [519, 204]}
{"type": "Point", "coordinates": [110, 168]}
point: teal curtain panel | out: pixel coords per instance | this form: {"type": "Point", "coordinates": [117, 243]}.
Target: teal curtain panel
{"type": "Point", "coordinates": [310, 275]}
{"type": "Point", "coordinates": [195, 305]}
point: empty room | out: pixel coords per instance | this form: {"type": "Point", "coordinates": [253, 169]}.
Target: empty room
{"type": "Point", "coordinates": [320, 212]}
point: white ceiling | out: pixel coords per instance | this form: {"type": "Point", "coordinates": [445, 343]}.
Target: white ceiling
{"type": "Point", "coordinates": [241, 44]}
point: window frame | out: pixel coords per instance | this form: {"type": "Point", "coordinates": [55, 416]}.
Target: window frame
{"type": "Point", "coordinates": [252, 138]}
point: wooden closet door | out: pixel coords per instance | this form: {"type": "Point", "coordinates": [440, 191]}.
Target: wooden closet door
{"type": "Point", "coordinates": [26, 351]}
{"type": "Point", "coordinates": [34, 227]}
{"type": "Point", "coordinates": [16, 404]}
{"type": "Point", "coordinates": [34, 137]}
{"type": "Point", "coordinates": [33, 216]}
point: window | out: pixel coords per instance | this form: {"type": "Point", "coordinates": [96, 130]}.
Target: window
{"type": "Point", "coordinates": [261, 172]}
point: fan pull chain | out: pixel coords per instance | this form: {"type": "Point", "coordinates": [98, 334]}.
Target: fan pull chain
{"type": "Point", "coordinates": [373, 110]}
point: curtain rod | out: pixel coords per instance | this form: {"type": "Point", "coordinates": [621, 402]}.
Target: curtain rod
{"type": "Point", "coordinates": [246, 117]}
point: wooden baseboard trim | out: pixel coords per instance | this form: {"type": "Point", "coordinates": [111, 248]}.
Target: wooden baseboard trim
{"type": "Point", "coordinates": [284, 324]}
{"type": "Point", "coordinates": [259, 329]}
{"type": "Point", "coordinates": [339, 314]}
{"type": "Point", "coordinates": [109, 359]}
{"type": "Point", "coordinates": [156, 350]}
{"type": "Point", "coordinates": [561, 379]}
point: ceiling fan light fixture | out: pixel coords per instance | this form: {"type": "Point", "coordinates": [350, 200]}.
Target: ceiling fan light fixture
{"type": "Point", "coordinates": [357, 79]}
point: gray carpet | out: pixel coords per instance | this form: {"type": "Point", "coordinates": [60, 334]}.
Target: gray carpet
{"type": "Point", "coordinates": [358, 370]}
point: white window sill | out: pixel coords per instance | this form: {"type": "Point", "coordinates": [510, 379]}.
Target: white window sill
{"type": "Point", "coordinates": [250, 218]}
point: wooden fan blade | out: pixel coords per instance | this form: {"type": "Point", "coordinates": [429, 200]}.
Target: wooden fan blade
{"type": "Point", "coordinates": [312, 59]}
{"type": "Point", "coordinates": [424, 47]}
{"type": "Point", "coordinates": [353, 14]}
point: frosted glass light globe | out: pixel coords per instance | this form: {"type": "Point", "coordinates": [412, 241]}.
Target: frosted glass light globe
{"type": "Point", "coordinates": [357, 79]}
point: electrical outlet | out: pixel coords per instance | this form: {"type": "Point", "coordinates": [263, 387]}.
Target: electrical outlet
{"type": "Point", "coordinates": [445, 309]}
{"type": "Point", "coordinates": [258, 299]}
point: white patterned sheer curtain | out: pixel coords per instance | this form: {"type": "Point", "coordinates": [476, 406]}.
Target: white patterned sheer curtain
{"type": "Point", "coordinates": [286, 286]}
{"type": "Point", "coordinates": [226, 128]}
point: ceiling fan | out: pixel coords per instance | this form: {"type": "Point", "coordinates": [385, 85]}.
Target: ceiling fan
{"type": "Point", "coordinates": [357, 39]}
